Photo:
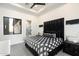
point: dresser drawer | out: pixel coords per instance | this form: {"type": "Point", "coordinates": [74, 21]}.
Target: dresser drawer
{"type": "Point", "coordinates": [71, 49]}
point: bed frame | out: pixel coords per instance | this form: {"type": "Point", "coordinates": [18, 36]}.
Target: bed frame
{"type": "Point", "coordinates": [52, 53]}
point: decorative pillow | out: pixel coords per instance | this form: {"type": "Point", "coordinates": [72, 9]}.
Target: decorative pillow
{"type": "Point", "coordinates": [53, 35]}
{"type": "Point", "coordinates": [49, 35]}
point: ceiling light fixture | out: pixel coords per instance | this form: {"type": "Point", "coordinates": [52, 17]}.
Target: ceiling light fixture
{"type": "Point", "coordinates": [36, 4]}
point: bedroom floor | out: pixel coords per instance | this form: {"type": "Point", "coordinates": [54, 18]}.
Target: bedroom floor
{"type": "Point", "coordinates": [21, 50]}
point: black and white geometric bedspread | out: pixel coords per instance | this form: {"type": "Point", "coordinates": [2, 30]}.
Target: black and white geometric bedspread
{"type": "Point", "coordinates": [42, 45]}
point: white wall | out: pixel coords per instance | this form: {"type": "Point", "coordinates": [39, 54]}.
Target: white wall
{"type": "Point", "coordinates": [16, 38]}
{"type": "Point", "coordinates": [4, 47]}
{"type": "Point", "coordinates": [35, 26]}
{"type": "Point", "coordinates": [11, 13]}
{"type": "Point", "coordinates": [68, 11]}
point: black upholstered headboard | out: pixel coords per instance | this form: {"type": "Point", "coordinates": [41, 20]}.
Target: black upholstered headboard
{"type": "Point", "coordinates": [55, 26]}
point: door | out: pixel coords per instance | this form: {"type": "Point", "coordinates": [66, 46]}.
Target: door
{"type": "Point", "coordinates": [28, 28]}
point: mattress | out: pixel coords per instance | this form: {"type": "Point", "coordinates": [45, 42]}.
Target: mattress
{"type": "Point", "coordinates": [42, 45]}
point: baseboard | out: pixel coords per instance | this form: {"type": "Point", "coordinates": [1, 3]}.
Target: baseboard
{"type": "Point", "coordinates": [5, 54]}
{"type": "Point", "coordinates": [17, 43]}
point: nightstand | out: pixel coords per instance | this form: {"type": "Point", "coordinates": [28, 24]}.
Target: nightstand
{"type": "Point", "coordinates": [71, 48]}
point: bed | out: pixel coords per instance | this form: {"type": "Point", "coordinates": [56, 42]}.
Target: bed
{"type": "Point", "coordinates": [44, 45]}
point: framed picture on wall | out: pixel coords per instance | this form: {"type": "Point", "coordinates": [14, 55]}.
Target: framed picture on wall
{"type": "Point", "coordinates": [12, 25]}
